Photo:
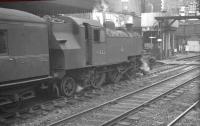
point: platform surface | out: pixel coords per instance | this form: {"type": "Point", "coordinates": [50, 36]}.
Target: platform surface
{"type": "Point", "coordinates": [177, 59]}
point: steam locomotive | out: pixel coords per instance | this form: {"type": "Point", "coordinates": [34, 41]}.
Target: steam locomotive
{"type": "Point", "coordinates": [61, 53]}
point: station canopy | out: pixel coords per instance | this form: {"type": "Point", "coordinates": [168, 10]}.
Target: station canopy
{"type": "Point", "coordinates": [51, 7]}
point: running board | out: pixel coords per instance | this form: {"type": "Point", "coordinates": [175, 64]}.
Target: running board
{"type": "Point", "coordinates": [26, 81]}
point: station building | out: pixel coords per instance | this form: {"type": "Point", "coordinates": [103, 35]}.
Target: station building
{"type": "Point", "coordinates": [188, 37]}
{"type": "Point", "coordinates": [166, 36]}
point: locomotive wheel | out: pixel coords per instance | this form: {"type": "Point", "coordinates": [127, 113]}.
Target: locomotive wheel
{"type": "Point", "coordinates": [68, 86]}
{"type": "Point", "coordinates": [98, 79]}
{"type": "Point", "coordinates": [11, 107]}
{"type": "Point", "coordinates": [114, 76]}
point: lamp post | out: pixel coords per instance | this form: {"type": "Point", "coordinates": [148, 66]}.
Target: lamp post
{"type": "Point", "coordinates": [151, 38]}
{"type": "Point", "coordinates": [159, 40]}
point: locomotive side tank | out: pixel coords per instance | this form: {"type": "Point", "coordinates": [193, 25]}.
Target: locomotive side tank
{"type": "Point", "coordinates": [121, 44]}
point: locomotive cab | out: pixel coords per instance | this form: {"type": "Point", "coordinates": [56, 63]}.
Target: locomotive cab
{"type": "Point", "coordinates": [95, 42]}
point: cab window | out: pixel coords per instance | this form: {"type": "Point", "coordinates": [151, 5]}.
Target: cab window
{"type": "Point", "coordinates": [3, 41]}
{"type": "Point", "coordinates": [96, 35]}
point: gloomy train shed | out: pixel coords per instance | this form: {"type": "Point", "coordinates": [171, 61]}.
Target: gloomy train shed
{"type": "Point", "coordinates": [51, 7]}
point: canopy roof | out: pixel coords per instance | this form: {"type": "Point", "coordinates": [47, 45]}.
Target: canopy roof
{"type": "Point", "coordinates": [51, 7]}
{"type": "Point", "coordinates": [80, 21]}
{"type": "Point", "coordinates": [10, 14]}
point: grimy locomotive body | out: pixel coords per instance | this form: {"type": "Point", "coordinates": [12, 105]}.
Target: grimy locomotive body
{"type": "Point", "coordinates": [61, 54]}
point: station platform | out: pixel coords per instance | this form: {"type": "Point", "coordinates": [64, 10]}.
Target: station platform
{"type": "Point", "coordinates": [187, 55]}
{"type": "Point", "coordinates": [176, 60]}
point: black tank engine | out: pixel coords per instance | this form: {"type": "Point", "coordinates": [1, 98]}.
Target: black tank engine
{"type": "Point", "coordinates": [63, 54]}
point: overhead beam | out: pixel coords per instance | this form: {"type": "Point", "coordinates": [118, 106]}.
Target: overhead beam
{"type": "Point", "coordinates": [170, 23]}
{"type": "Point", "coordinates": [177, 17]}
{"type": "Point", "coordinates": [51, 7]}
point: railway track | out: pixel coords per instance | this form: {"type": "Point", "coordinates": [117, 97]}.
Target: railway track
{"type": "Point", "coordinates": [173, 122]}
{"type": "Point", "coordinates": [165, 109]}
{"type": "Point", "coordinates": [113, 111]}
{"type": "Point", "coordinates": [166, 69]}
{"type": "Point", "coordinates": [48, 106]}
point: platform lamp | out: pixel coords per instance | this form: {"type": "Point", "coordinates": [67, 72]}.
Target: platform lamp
{"type": "Point", "coordinates": [151, 38]}
{"type": "Point", "coordinates": [159, 40]}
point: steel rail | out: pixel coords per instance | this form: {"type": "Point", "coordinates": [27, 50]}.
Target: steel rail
{"type": "Point", "coordinates": [128, 113]}
{"type": "Point", "coordinates": [189, 57]}
{"type": "Point", "coordinates": [182, 114]}
{"type": "Point", "coordinates": [116, 99]}
{"type": "Point", "coordinates": [173, 68]}
{"type": "Point", "coordinates": [25, 81]}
